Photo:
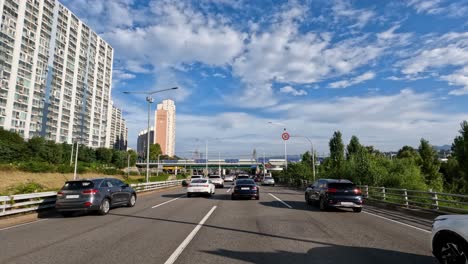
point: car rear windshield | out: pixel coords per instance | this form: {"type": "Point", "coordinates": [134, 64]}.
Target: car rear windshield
{"type": "Point", "coordinates": [215, 177]}
{"type": "Point", "coordinates": [199, 181]}
{"type": "Point", "coordinates": [195, 176]}
{"type": "Point", "coordinates": [245, 182]}
{"type": "Point", "coordinates": [341, 185]}
{"type": "Point", "coordinates": [78, 185]}
{"type": "Point", "coordinates": [268, 178]}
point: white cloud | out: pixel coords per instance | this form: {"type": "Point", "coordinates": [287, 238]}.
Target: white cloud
{"type": "Point", "coordinates": [387, 122]}
{"type": "Point", "coordinates": [426, 6]}
{"type": "Point", "coordinates": [353, 81]}
{"type": "Point", "coordinates": [449, 51]}
{"type": "Point", "coordinates": [343, 9]}
{"type": "Point", "coordinates": [220, 75]}
{"type": "Point", "coordinates": [459, 78]}
{"type": "Point", "coordinates": [290, 90]}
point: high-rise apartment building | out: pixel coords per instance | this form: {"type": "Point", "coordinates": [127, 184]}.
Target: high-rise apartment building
{"type": "Point", "coordinates": [165, 127]}
{"type": "Point", "coordinates": [142, 139]}
{"type": "Point", "coordinates": [118, 130]}
{"type": "Point", "coordinates": [55, 74]}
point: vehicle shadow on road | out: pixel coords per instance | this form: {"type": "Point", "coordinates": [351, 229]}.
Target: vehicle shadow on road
{"type": "Point", "coordinates": [299, 205]}
{"type": "Point", "coordinates": [327, 254]}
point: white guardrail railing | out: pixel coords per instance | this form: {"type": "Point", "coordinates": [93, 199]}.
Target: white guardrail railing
{"type": "Point", "coordinates": [444, 203]}
{"type": "Point", "coordinates": [20, 203]}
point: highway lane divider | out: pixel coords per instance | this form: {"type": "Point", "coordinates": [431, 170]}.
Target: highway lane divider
{"type": "Point", "coordinates": [189, 238]}
{"type": "Point", "coordinates": [279, 200]}
{"type": "Point", "coordinates": [166, 202]}
{"type": "Point", "coordinates": [21, 203]}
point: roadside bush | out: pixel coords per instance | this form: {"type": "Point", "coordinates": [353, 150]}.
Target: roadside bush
{"type": "Point", "coordinates": [111, 171]}
{"type": "Point", "coordinates": [37, 167]}
{"type": "Point", "coordinates": [65, 168]}
{"type": "Point", "coordinates": [29, 187]}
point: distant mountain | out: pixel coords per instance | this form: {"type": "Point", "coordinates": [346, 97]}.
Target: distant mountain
{"type": "Point", "coordinates": [444, 147]}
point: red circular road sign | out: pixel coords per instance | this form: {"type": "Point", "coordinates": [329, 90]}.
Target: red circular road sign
{"type": "Point", "coordinates": [285, 136]}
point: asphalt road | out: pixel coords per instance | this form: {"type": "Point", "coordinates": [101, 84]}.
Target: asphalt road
{"type": "Point", "coordinates": [163, 229]}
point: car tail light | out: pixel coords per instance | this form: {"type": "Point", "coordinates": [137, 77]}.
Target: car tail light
{"type": "Point", "coordinates": [190, 185]}
{"type": "Point", "coordinates": [206, 185]}
{"type": "Point", "coordinates": [90, 191]}
{"type": "Point", "coordinates": [87, 204]}
{"type": "Point", "coordinates": [254, 188]}
{"type": "Point", "coordinates": [357, 191]}
{"type": "Point", "coordinates": [331, 190]}
{"type": "Point", "coordinates": [60, 194]}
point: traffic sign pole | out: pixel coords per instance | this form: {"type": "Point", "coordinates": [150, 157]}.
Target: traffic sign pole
{"type": "Point", "coordinates": [285, 136]}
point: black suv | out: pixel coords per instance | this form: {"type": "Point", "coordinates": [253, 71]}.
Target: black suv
{"type": "Point", "coordinates": [334, 193]}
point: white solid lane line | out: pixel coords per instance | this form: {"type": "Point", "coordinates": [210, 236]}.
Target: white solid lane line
{"type": "Point", "coordinates": [168, 201]}
{"type": "Point", "coordinates": [279, 200]}
{"type": "Point", "coordinates": [229, 189]}
{"type": "Point", "coordinates": [10, 227]}
{"type": "Point", "coordinates": [189, 238]}
{"type": "Point", "coordinates": [394, 221]}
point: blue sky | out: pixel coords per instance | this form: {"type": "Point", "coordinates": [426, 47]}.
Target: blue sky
{"type": "Point", "coordinates": [389, 72]}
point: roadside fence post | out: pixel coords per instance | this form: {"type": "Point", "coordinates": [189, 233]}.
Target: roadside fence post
{"type": "Point", "coordinates": [384, 197]}
{"type": "Point", "coordinates": [435, 200]}
{"type": "Point", "coordinates": [366, 190]}
{"type": "Point", "coordinates": [405, 193]}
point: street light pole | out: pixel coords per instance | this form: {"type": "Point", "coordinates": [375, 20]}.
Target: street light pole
{"type": "Point", "coordinates": [312, 153]}
{"type": "Point", "coordinates": [71, 153]}
{"type": "Point", "coordinates": [150, 100]}
{"type": "Point", "coordinates": [206, 157]}
{"type": "Point", "coordinates": [157, 171]}
{"type": "Point", "coordinates": [76, 161]}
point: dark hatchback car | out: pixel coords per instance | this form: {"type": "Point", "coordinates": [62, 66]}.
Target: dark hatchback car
{"type": "Point", "coordinates": [334, 193]}
{"type": "Point", "coordinates": [94, 195]}
{"type": "Point", "coordinates": [245, 188]}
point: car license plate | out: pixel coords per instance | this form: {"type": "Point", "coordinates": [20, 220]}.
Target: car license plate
{"type": "Point", "coordinates": [347, 203]}
{"type": "Point", "coordinates": [198, 190]}
{"type": "Point", "coordinates": [72, 196]}
{"type": "Point", "coordinates": [245, 188]}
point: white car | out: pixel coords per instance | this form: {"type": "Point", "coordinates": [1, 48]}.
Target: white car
{"type": "Point", "coordinates": [450, 238]}
{"type": "Point", "coordinates": [200, 186]}
{"type": "Point", "coordinates": [268, 181]}
{"type": "Point", "coordinates": [217, 181]}
{"type": "Point", "coordinates": [229, 178]}
{"type": "Point", "coordinates": [196, 177]}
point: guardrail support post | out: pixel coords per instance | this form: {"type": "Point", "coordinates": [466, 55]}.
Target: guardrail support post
{"type": "Point", "coordinates": [366, 191]}
{"type": "Point", "coordinates": [434, 199]}
{"type": "Point", "coordinates": [4, 206]}
{"type": "Point", "coordinates": [384, 197]}
{"type": "Point", "coordinates": [405, 193]}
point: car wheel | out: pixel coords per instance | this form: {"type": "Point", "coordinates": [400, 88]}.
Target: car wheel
{"type": "Point", "coordinates": [233, 197]}
{"type": "Point", "coordinates": [104, 207]}
{"type": "Point", "coordinates": [322, 205]}
{"type": "Point", "coordinates": [451, 249]}
{"type": "Point", "coordinates": [189, 195]}
{"type": "Point", "coordinates": [222, 186]}
{"type": "Point", "coordinates": [357, 209]}
{"type": "Point", "coordinates": [209, 195]}
{"type": "Point", "coordinates": [67, 214]}
{"type": "Point", "coordinates": [307, 199]}
{"type": "Point", "coordinates": [273, 185]}
{"type": "Point", "coordinates": [132, 201]}
{"type": "Point", "coordinates": [257, 197]}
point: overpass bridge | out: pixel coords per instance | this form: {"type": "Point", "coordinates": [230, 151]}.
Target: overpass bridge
{"type": "Point", "coordinates": [271, 164]}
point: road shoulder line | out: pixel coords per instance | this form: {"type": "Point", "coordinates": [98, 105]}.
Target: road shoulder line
{"type": "Point", "coordinates": [394, 221]}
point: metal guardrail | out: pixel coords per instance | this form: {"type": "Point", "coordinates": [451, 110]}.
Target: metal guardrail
{"type": "Point", "coordinates": [445, 203]}
{"type": "Point", "coordinates": [20, 203]}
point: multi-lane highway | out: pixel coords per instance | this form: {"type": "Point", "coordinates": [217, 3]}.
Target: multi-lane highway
{"type": "Point", "coordinates": [168, 227]}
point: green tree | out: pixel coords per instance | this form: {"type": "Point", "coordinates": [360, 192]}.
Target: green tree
{"type": "Point", "coordinates": [86, 154]}
{"type": "Point", "coordinates": [155, 150]}
{"type": "Point", "coordinates": [353, 147]}
{"type": "Point", "coordinates": [460, 153]}
{"type": "Point", "coordinates": [336, 153]}
{"type": "Point", "coordinates": [104, 155]}
{"type": "Point", "coordinates": [36, 148]}
{"type": "Point", "coordinates": [430, 165]}
{"type": "Point", "coordinates": [407, 152]}
{"type": "Point", "coordinates": [119, 159]}
{"type": "Point", "coordinates": [52, 153]}
{"type": "Point", "coordinates": [12, 147]}
{"type": "Point", "coordinates": [133, 157]}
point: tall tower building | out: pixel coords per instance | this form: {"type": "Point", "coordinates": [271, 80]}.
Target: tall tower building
{"type": "Point", "coordinates": [165, 127]}
{"type": "Point", "coordinates": [119, 133]}
{"type": "Point", "coordinates": [55, 74]}
{"type": "Point", "coordinates": [142, 140]}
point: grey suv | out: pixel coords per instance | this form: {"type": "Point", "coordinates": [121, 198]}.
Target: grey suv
{"type": "Point", "coordinates": [94, 195]}
{"type": "Point", "coordinates": [334, 193]}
